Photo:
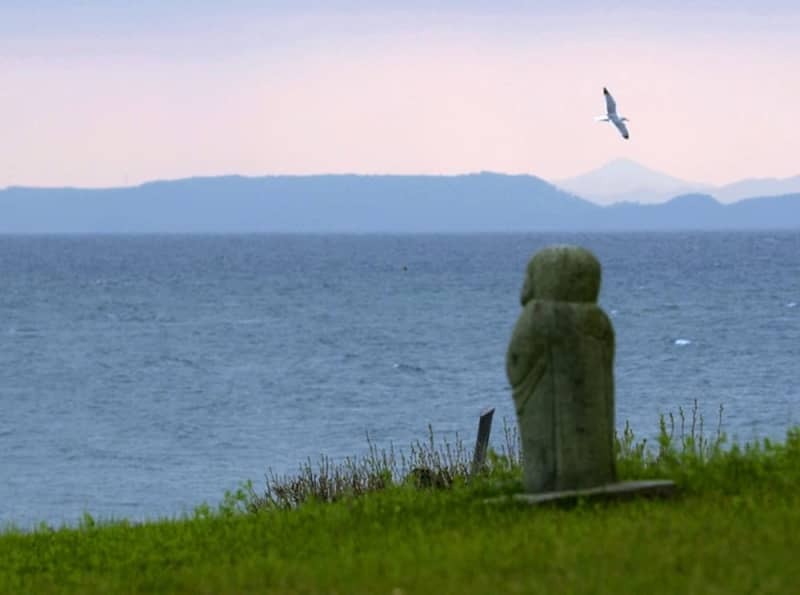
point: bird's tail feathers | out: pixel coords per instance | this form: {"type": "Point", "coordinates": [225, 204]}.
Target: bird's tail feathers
{"type": "Point", "coordinates": [601, 119]}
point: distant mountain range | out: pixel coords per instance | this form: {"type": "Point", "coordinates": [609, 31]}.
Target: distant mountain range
{"type": "Point", "coordinates": [354, 203]}
{"type": "Point", "coordinates": [624, 180]}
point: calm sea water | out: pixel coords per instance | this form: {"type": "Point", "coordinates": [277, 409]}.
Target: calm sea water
{"type": "Point", "coordinates": [141, 376]}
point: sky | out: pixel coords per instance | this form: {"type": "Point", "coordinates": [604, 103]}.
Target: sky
{"type": "Point", "coordinates": [115, 93]}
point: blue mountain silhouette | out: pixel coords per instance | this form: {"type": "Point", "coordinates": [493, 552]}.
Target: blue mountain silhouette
{"type": "Point", "coordinates": [357, 203]}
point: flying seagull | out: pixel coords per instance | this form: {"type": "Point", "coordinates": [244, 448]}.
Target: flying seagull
{"type": "Point", "coordinates": [611, 115]}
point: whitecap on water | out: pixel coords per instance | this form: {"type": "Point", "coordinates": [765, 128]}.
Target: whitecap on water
{"type": "Point", "coordinates": [791, 305]}
{"type": "Point", "coordinates": [682, 342]}
{"type": "Point", "coordinates": [24, 331]}
{"type": "Point", "coordinates": [407, 368]}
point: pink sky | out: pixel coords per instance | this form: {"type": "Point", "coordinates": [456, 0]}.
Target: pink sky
{"type": "Point", "coordinates": [321, 95]}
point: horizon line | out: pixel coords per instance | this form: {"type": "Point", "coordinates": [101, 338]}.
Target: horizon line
{"type": "Point", "coordinates": [552, 182]}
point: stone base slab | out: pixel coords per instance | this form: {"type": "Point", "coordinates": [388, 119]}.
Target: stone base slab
{"type": "Point", "coordinates": [624, 490]}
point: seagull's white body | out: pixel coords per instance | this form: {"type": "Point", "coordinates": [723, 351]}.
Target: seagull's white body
{"type": "Point", "coordinates": [612, 116]}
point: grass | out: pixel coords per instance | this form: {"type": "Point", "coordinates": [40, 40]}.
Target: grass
{"type": "Point", "coordinates": [372, 526]}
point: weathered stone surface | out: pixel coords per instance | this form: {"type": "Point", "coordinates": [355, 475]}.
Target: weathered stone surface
{"type": "Point", "coordinates": [560, 365]}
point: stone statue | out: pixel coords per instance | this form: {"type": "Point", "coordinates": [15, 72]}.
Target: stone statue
{"type": "Point", "coordinates": [560, 365]}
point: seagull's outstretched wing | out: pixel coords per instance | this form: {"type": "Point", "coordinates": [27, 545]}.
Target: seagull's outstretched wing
{"type": "Point", "coordinates": [611, 105]}
{"type": "Point", "coordinates": [623, 130]}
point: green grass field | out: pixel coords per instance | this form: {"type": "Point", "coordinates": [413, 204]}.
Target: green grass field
{"type": "Point", "coordinates": [734, 528]}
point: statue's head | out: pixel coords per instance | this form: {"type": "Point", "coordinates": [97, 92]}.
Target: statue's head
{"type": "Point", "coordinates": [562, 273]}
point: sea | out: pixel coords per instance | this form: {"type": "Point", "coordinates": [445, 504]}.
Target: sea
{"type": "Point", "coordinates": [142, 376]}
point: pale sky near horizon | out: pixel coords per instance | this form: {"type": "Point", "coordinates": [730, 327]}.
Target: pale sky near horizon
{"type": "Point", "coordinates": [115, 93]}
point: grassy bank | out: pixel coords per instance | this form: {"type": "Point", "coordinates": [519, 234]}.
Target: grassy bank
{"type": "Point", "coordinates": [735, 528]}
